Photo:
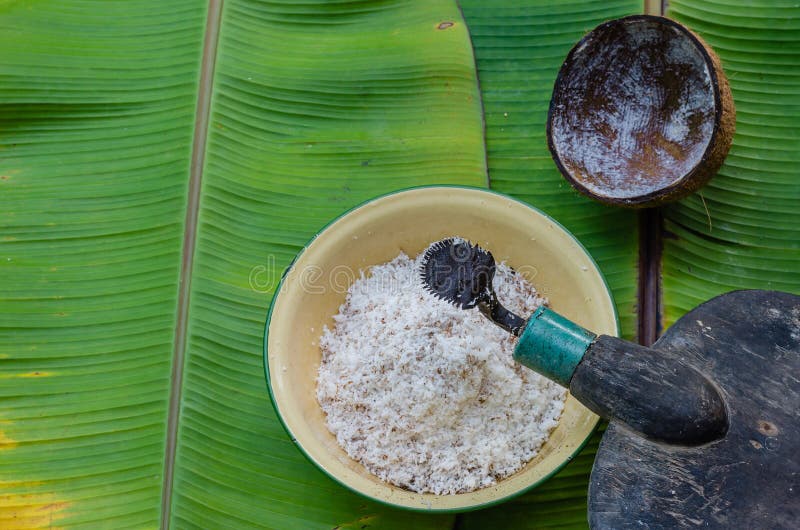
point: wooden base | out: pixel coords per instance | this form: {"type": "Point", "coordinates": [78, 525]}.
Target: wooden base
{"type": "Point", "coordinates": [748, 343]}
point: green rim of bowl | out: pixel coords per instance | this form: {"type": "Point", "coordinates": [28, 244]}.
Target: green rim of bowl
{"type": "Point", "coordinates": [488, 504]}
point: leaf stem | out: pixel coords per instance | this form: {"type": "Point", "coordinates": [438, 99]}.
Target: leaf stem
{"type": "Point", "coordinates": [205, 87]}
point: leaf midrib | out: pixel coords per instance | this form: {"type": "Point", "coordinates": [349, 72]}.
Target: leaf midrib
{"type": "Point", "coordinates": [202, 113]}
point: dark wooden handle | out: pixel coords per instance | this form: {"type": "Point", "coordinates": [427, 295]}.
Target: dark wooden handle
{"type": "Point", "coordinates": [653, 392]}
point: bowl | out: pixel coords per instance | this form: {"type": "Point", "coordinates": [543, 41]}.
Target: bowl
{"type": "Point", "coordinates": [641, 113]}
{"type": "Point", "coordinates": [315, 285]}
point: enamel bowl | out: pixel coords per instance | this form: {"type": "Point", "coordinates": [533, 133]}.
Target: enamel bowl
{"type": "Point", "coordinates": [315, 285]}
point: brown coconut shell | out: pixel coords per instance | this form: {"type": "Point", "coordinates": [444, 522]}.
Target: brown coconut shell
{"type": "Point", "coordinates": [641, 114]}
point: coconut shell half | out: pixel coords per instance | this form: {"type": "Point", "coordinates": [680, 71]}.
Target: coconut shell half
{"type": "Point", "coordinates": [641, 113]}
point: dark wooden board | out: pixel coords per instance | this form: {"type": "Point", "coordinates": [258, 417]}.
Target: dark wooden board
{"type": "Point", "coordinates": [748, 342]}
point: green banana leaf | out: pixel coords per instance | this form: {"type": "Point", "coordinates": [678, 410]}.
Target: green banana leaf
{"type": "Point", "coordinates": [742, 230]}
{"type": "Point", "coordinates": [97, 106]}
{"type": "Point", "coordinates": [138, 254]}
{"type": "Point", "coordinates": [315, 106]}
{"type": "Point", "coordinates": [519, 47]}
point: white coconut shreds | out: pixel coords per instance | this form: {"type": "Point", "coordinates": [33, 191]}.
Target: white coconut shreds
{"type": "Point", "coordinates": [426, 396]}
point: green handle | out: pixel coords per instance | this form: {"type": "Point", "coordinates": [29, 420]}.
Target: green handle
{"type": "Point", "coordinates": [653, 392]}
{"type": "Point", "coordinates": [552, 345]}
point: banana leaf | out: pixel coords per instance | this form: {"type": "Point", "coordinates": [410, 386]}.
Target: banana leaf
{"type": "Point", "coordinates": [742, 230]}
{"type": "Point", "coordinates": [519, 47]}
{"type": "Point", "coordinates": [316, 107]}
{"type": "Point", "coordinates": [128, 275]}
{"type": "Point", "coordinates": [97, 107]}
{"type": "Point", "coordinates": [161, 163]}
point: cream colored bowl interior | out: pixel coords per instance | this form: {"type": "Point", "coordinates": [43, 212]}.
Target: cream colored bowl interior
{"type": "Point", "coordinates": [409, 221]}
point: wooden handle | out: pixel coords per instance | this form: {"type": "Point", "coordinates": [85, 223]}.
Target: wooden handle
{"type": "Point", "coordinates": [652, 392]}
